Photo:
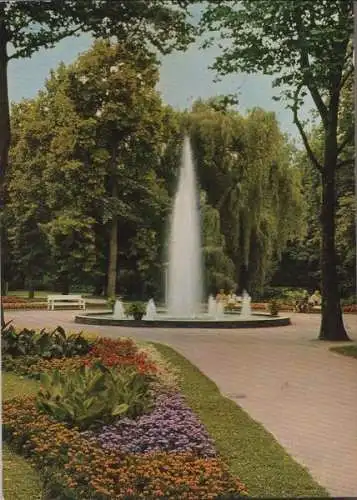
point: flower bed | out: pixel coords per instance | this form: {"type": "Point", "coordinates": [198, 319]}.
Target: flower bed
{"type": "Point", "coordinates": [352, 308]}
{"type": "Point", "coordinates": [261, 306]}
{"type": "Point", "coordinates": [162, 451]}
{"type": "Point", "coordinates": [25, 305]}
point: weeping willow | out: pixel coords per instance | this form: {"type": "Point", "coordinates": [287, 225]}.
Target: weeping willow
{"type": "Point", "coordinates": [245, 166]}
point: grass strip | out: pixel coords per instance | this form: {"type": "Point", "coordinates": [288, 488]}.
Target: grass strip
{"type": "Point", "coordinates": [20, 479]}
{"type": "Point", "coordinates": [14, 385]}
{"type": "Point", "coordinates": [346, 350]}
{"type": "Point", "coordinates": [251, 452]}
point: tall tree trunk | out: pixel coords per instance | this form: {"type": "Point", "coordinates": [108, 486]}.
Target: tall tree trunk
{"type": "Point", "coordinates": [4, 104]}
{"type": "Point", "coordinates": [332, 327]}
{"type": "Point", "coordinates": [4, 139]}
{"type": "Point", "coordinates": [98, 288]}
{"type": "Point", "coordinates": [31, 289]}
{"type": "Point", "coordinates": [113, 249]}
{"type": "Point", "coordinates": [243, 285]}
{"type": "Point", "coordinates": [64, 284]}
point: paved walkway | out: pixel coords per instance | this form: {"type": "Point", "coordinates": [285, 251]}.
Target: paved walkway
{"type": "Point", "coordinates": [305, 395]}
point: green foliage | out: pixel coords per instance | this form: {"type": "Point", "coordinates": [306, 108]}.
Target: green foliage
{"type": "Point", "coordinates": [273, 307]}
{"type": "Point", "coordinates": [44, 344]}
{"type": "Point", "coordinates": [111, 302]}
{"type": "Point", "coordinates": [136, 309]}
{"type": "Point", "coordinates": [245, 167]}
{"type": "Point", "coordinates": [219, 268]}
{"type": "Point", "coordinates": [94, 394]}
{"type": "Point", "coordinates": [63, 145]}
{"type": "Point", "coordinates": [300, 262]}
{"type": "Point", "coordinates": [308, 46]}
{"type": "Point", "coordinates": [18, 364]}
{"type": "Point", "coordinates": [300, 30]}
{"type": "Point", "coordinates": [346, 350]}
{"type": "Point", "coordinates": [143, 21]}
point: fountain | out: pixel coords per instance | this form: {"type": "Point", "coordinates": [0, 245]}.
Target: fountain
{"type": "Point", "coordinates": [219, 310]}
{"type": "Point", "coordinates": [150, 313]}
{"type": "Point", "coordinates": [246, 309]}
{"type": "Point", "coordinates": [185, 259]}
{"type": "Point", "coordinates": [185, 277]}
{"type": "Point", "coordinates": [119, 311]}
{"type": "Point", "coordinates": [212, 306]}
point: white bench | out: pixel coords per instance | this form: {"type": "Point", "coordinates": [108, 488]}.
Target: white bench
{"type": "Point", "coordinates": [65, 300]}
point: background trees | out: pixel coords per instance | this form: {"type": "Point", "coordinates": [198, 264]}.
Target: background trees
{"type": "Point", "coordinates": [245, 167]}
{"type": "Point", "coordinates": [28, 26]}
{"type": "Point", "coordinates": [95, 157]}
{"type": "Point", "coordinates": [308, 46]}
{"type": "Point", "coordinates": [100, 154]}
{"type": "Point", "coordinates": [99, 126]}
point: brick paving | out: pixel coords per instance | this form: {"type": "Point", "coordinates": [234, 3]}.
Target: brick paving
{"type": "Point", "coordinates": [304, 394]}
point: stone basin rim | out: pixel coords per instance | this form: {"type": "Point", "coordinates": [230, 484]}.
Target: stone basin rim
{"type": "Point", "coordinates": [230, 322]}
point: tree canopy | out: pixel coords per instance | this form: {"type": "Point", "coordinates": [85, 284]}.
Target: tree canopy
{"type": "Point", "coordinates": [307, 46]}
{"type": "Point", "coordinates": [245, 167]}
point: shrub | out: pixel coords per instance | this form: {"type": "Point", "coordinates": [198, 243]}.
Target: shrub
{"type": "Point", "coordinates": [349, 301]}
{"type": "Point", "coordinates": [94, 394]}
{"type": "Point", "coordinates": [20, 364]}
{"type": "Point", "coordinates": [17, 344]}
{"type": "Point", "coordinates": [172, 426]}
{"type": "Point", "coordinates": [273, 307]}
{"type": "Point", "coordinates": [111, 302]}
{"type": "Point", "coordinates": [136, 309]}
{"type": "Point", "coordinates": [53, 344]}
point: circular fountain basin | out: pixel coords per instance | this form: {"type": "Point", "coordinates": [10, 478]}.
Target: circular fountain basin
{"type": "Point", "coordinates": [256, 320]}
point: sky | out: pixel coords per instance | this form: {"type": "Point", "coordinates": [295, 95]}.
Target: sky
{"type": "Point", "coordinates": [184, 77]}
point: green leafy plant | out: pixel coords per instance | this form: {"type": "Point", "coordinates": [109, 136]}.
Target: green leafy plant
{"type": "Point", "coordinates": [136, 309]}
{"type": "Point", "coordinates": [111, 302]}
{"type": "Point", "coordinates": [273, 307]}
{"type": "Point", "coordinates": [19, 364]}
{"type": "Point", "coordinates": [17, 344]}
{"type": "Point", "coordinates": [53, 344]}
{"type": "Point", "coordinates": [94, 394]}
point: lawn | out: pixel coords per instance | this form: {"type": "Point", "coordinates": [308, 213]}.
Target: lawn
{"type": "Point", "coordinates": [347, 350]}
{"type": "Point", "coordinates": [20, 480]}
{"type": "Point", "coordinates": [252, 453]}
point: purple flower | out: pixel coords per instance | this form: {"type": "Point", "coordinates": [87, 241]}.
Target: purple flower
{"type": "Point", "coordinates": [171, 426]}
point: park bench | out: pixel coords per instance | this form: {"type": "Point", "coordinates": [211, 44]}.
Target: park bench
{"type": "Point", "coordinates": [65, 300]}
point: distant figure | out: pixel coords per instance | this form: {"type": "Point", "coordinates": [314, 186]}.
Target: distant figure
{"type": "Point", "coordinates": [315, 299]}
{"type": "Point", "coordinates": [221, 296]}
{"type": "Point", "coordinates": [232, 298]}
{"type": "Point", "coordinates": [303, 305]}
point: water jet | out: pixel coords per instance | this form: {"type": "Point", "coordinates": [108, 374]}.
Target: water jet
{"type": "Point", "coordinates": [185, 274]}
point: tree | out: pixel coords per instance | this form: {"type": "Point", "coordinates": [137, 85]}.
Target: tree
{"type": "Point", "coordinates": [99, 125]}
{"type": "Point", "coordinates": [31, 25]}
{"type": "Point", "coordinates": [53, 190]}
{"type": "Point", "coordinates": [308, 44]}
{"type": "Point", "coordinates": [116, 83]}
{"type": "Point", "coordinates": [219, 268]}
{"type": "Point", "coordinates": [244, 167]}
{"type": "Point", "coordinates": [26, 208]}
{"type": "Point", "coordinates": [302, 257]}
